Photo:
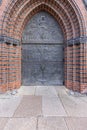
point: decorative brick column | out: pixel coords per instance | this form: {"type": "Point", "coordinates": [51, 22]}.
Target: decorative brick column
{"type": "Point", "coordinates": [83, 67]}
{"type": "Point", "coordinates": [76, 64]}
{"type": "Point", "coordinates": [10, 64]}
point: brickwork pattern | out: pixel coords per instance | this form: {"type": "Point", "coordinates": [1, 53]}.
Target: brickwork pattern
{"type": "Point", "coordinates": [72, 17]}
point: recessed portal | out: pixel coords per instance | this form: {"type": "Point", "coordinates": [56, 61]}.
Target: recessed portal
{"type": "Point", "coordinates": [42, 51]}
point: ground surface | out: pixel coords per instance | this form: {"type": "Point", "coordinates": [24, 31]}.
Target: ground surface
{"type": "Point", "coordinates": [43, 108]}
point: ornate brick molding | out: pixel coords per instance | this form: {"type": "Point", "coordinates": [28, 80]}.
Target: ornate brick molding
{"type": "Point", "coordinates": [77, 40]}
{"type": "Point", "coordinates": [9, 40]}
{"type": "Point", "coordinates": [65, 12]}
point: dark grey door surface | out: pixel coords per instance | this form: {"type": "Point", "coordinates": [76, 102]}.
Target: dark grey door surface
{"type": "Point", "coordinates": [42, 51]}
{"type": "Point", "coordinates": [42, 64]}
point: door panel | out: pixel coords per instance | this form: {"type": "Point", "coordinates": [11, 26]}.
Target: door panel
{"type": "Point", "coordinates": [42, 64]}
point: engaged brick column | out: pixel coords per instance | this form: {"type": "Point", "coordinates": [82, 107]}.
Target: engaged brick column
{"type": "Point", "coordinates": [14, 67]}
{"type": "Point", "coordinates": [10, 64]}
{"type": "Point", "coordinates": [83, 68]}
{"type": "Point", "coordinates": [68, 67]}
{"type": "Point", "coordinates": [76, 65]}
{"type": "Point", "coordinates": [3, 67]}
{"type": "Point", "coordinates": [76, 68]}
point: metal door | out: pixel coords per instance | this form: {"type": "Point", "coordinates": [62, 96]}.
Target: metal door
{"type": "Point", "coordinates": [42, 51]}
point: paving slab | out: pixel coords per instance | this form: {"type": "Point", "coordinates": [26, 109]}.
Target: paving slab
{"type": "Point", "coordinates": [60, 90]}
{"type": "Point", "coordinates": [74, 106]}
{"type": "Point", "coordinates": [51, 106]}
{"type": "Point", "coordinates": [9, 105]}
{"type": "Point", "coordinates": [46, 91]}
{"type": "Point", "coordinates": [29, 106]}
{"type": "Point", "coordinates": [76, 123]}
{"type": "Point", "coordinates": [21, 124]}
{"type": "Point", "coordinates": [26, 90]}
{"type": "Point", "coordinates": [52, 123]}
{"type": "Point", "coordinates": [84, 98]}
{"type": "Point", "coordinates": [3, 122]}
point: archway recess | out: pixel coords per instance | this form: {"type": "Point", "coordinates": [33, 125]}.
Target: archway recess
{"type": "Point", "coordinates": [42, 52]}
{"type": "Point", "coordinates": [69, 17]}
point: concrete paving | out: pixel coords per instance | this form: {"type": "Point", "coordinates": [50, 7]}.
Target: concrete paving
{"type": "Point", "coordinates": [3, 122]}
{"type": "Point", "coordinates": [76, 123]}
{"type": "Point", "coordinates": [43, 108]}
{"type": "Point", "coordinates": [21, 124]}
{"type": "Point", "coordinates": [52, 106]}
{"type": "Point", "coordinates": [27, 90]}
{"type": "Point", "coordinates": [46, 91]}
{"type": "Point", "coordinates": [9, 105]}
{"type": "Point", "coordinates": [30, 106]}
{"type": "Point", "coordinates": [52, 123]}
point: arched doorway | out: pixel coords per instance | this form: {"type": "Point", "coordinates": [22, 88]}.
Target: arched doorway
{"type": "Point", "coordinates": [42, 51]}
{"type": "Point", "coordinates": [15, 17]}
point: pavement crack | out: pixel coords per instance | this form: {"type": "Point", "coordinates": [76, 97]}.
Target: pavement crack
{"type": "Point", "coordinates": [37, 124]}
{"type": "Point", "coordinates": [66, 124]}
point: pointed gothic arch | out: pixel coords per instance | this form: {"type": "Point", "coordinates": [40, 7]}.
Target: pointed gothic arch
{"type": "Point", "coordinates": [70, 18]}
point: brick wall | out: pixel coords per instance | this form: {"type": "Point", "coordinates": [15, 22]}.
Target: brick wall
{"type": "Point", "coordinates": [10, 66]}
{"type": "Point", "coordinates": [72, 17]}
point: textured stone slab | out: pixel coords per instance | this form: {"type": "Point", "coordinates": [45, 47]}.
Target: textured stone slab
{"type": "Point", "coordinates": [52, 106]}
{"type": "Point", "coordinates": [21, 124]}
{"type": "Point", "coordinates": [46, 91]}
{"type": "Point", "coordinates": [84, 98]}
{"type": "Point", "coordinates": [60, 90]}
{"type": "Point", "coordinates": [51, 124]}
{"type": "Point", "coordinates": [76, 123]}
{"type": "Point", "coordinates": [26, 90]}
{"type": "Point", "coordinates": [74, 106]}
{"type": "Point", "coordinates": [30, 106]}
{"type": "Point", "coordinates": [3, 122]}
{"type": "Point", "coordinates": [9, 105]}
